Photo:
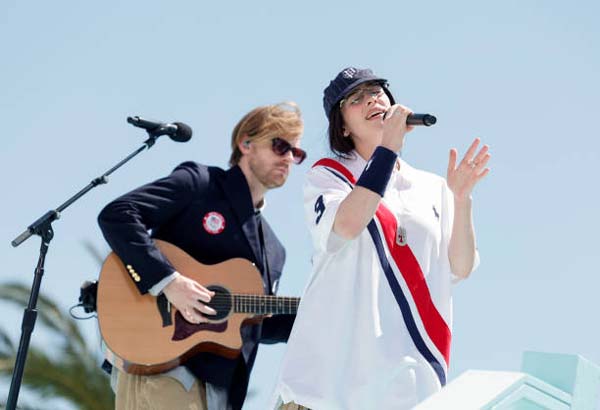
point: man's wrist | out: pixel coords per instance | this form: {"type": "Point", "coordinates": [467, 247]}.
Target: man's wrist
{"type": "Point", "coordinates": [159, 287]}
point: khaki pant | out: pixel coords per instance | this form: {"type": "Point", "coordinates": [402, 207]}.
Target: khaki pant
{"type": "Point", "coordinates": [292, 406]}
{"type": "Point", "coordinates": [157, 393]}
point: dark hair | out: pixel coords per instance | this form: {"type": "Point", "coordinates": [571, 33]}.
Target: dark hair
{"type": "Point", "coordinates": [338, 143]}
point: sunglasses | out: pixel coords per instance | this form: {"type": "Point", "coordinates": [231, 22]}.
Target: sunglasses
{"type": "Point", "coordinates": [358, 96]}
{"type": "Point", "coordinates": [282, 147]}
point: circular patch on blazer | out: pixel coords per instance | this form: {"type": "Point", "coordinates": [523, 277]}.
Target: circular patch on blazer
{"type": "Point", "coordinates": [213, 223]}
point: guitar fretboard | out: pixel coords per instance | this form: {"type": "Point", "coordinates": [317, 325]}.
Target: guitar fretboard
{"type": "Point", "coordinates": [264, 305]}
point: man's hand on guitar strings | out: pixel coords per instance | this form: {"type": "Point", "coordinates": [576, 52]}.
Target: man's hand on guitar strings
{"type": "Point", "coordinates": [187, 296]}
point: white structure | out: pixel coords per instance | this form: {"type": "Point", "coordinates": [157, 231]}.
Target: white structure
{"type": "Point", "coordinates": [546, 381]}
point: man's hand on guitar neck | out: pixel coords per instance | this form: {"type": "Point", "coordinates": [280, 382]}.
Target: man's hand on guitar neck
{"type": "Point", "coordinates": [187, 296]}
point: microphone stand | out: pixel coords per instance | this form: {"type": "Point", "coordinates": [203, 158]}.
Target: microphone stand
{"type": "Point", "coordinates": [43, 228]}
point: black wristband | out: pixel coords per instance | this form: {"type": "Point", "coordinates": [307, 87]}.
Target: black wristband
{"type": "Point", "coordinates": [377, 173]}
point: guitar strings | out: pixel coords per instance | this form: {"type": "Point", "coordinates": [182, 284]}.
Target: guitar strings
{"type": "Point", "coordinates": [257, 302]}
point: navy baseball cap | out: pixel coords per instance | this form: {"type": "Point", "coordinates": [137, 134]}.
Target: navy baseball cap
{"type": "Point", "coordinates": [346, 80]}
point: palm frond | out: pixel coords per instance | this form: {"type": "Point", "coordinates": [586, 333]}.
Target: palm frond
{"type": "Point", "coordinates": [7, 348]}
{"type": "Point", "coordinates": [20, 406]}
{"type": "Point", "coordinates": [86, 387]}
{"type": "Point", "coordinates": [48, 312]}
{"type": "Point", "coordinates": [72, 372]}
{"type": "Point", "coordinates": [91, 248]}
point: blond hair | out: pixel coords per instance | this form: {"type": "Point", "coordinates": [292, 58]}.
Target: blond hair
{"type": "Point", "coordinates": [269, 121]}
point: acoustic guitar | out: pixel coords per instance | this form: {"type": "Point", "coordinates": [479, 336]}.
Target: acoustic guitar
{"type": "Point", "coordinates": [144, 334]}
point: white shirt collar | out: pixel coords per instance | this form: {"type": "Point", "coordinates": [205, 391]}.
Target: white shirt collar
{"type": "Point", "coordinates": [261, 206]}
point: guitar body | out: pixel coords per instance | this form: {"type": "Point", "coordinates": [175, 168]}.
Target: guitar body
{"type": "Point", "coordinates": [145, 335]}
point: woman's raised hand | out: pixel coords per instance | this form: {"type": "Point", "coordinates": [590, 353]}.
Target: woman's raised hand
{"type": "Point", "coordinates": [462, 178]}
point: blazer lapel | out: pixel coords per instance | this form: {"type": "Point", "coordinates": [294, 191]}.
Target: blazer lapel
{"type": "Point", "coordinates": [273, 257]}
{"type": "Point", "coordinates": [237, 192]}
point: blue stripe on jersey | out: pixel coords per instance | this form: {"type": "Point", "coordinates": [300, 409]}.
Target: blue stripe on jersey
{"type": "Point", "coordinates": [404, 306]}
{"type": "Point", "coordinates": [343, 178]}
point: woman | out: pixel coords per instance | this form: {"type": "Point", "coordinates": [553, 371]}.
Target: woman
{"type": "Point", "coordinates": [373, 328]}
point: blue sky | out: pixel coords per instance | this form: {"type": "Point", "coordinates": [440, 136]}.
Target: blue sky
{"type": "Point", "coordinates": [521, 75]}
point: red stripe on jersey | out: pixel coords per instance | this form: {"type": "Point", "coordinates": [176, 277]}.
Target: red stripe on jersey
{"type": "Point", "coordinates": [407, 263]}
{"type": "Point", "coordinates": [331, 163]}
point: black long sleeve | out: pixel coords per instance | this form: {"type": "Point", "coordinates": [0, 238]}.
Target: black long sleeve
{"type": "Point", "coordinates": [126, 221]}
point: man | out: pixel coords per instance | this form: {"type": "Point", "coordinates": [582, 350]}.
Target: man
{"type": "Point", "coordinates": [213, 215]}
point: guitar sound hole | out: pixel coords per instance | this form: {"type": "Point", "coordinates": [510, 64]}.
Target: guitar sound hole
{"type": "Point", "coordinates": [221, 302]}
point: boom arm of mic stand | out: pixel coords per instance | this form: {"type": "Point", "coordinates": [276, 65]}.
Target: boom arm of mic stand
{"type": "Point", "coordinates": [53, 215]}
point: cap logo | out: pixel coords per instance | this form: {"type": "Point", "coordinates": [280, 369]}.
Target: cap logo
{"type": "Point", "coordinates": [349, 72]}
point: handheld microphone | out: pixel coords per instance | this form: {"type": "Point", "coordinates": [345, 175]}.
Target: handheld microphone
{"type": "Point", "coordinates": [418, 119]}
{"type": "Point", "coordinates": [421, 119]}
{"type": "Point", "coordinates": [177, 131]}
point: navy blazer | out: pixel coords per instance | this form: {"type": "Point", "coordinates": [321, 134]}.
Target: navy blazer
{"type": "Point", "coordinates": [173, 209]}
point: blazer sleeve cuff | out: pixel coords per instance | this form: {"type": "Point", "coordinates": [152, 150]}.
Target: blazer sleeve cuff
{"type": "Point", "coordinates": [158, 287]}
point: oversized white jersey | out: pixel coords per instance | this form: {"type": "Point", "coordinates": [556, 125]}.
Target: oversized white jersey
{"type": "Point", "coordinates": [373, 327]}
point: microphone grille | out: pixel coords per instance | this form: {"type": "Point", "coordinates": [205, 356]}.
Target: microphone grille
{"type": "Point", "coordinates": [183, 134]}
{"type": "Point", "coordinates": [429, 119]}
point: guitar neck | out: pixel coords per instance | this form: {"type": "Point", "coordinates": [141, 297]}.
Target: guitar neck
{"type": "Point", "coordinates": [265, 305]}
